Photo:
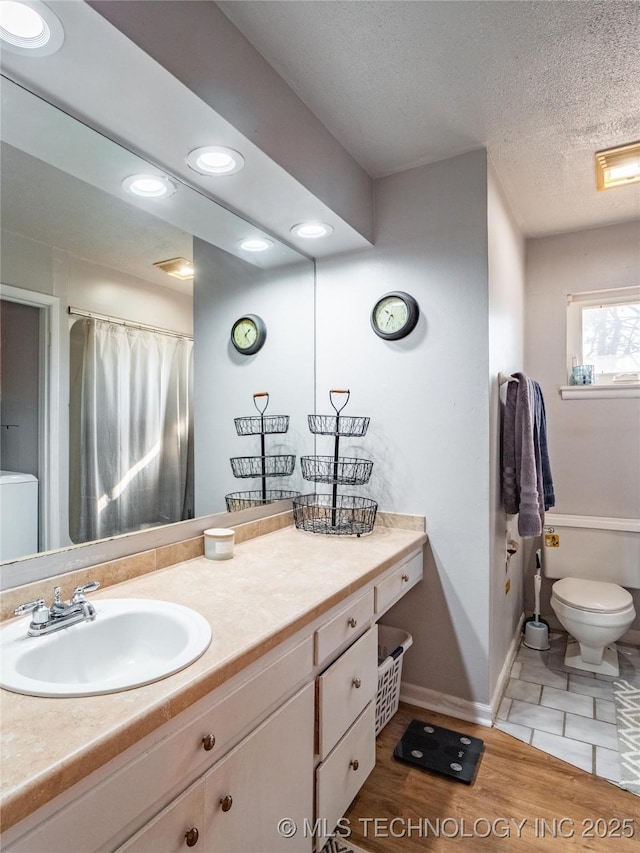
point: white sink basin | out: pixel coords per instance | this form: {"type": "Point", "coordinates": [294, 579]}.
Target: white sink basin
{"type": "Point", "coordinates": [131, 642]}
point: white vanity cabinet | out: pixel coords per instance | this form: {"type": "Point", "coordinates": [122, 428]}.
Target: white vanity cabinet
{"type": "Point", "coordinates": [238, 804]}
{"type": "Point", "coordinates": [289, 735]}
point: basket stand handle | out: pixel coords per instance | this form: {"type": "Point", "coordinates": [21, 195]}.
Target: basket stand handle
{"type": "Point", "coordinates": [264, 394]}
{"type": "Point", "coordinates": [333, 391]}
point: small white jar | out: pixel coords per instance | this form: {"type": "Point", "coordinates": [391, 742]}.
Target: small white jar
{"type": "Point", "coordinates": [218, 543]}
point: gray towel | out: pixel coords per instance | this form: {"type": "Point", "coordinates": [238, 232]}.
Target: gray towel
{"type": "Point", "coordinates": [541, 437]}
{"type": "Point", "coordinates": [523, 433]}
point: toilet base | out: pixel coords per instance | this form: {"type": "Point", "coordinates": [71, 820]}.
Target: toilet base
{"type": "Point", "coordinates": [609, 665]}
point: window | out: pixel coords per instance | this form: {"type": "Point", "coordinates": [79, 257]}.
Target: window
{"type": "Point", "coordinates": [603, 329]}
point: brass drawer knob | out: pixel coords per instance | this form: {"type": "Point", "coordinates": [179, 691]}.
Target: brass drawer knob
{"type": "Point", "coordinates": [405, 578]}
{"type": "Point", "coordinates": [208, 742]}
{"type": "Point", "coordinates": [355, 764]}
{"type": "Point", "coordinates": [226, 803]}
{"type": "Point", "coordinates": [352, 622]}
{"type": "Point", "coordinates": [357, 683]}
{"type": "Point", "coordinates": [191, 836]}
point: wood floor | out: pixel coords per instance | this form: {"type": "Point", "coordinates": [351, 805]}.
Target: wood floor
{"type": "Point", "coordinates": [521, 800]}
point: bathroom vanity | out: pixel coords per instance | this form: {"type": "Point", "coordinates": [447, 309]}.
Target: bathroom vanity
{"type": "Point", "coordinates": [260, 744]}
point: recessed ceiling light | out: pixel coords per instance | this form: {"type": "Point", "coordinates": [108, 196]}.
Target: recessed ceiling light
{"type": "Point", "coordinates": [215, 160]}
{"type": "Point", "coordinates": [255, 244]}
{"type": "Point", "coordinates": [617, 167]}
{"type": "Point", "coordinates": [177, 267]}
{"type": "Point", "coordinates": [311, 230]}
{"type": "Point", "coordinates": [29, 28]}
{"type": "Point", "coordinates": [149, 186]}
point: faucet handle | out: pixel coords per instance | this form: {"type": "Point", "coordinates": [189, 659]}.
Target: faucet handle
{"type": "Point", "coordinates": [79, 591]}
{"type": "Point", "coordinates": [38, 608]}
{"type": "Point", "coordinates": [28, 607]}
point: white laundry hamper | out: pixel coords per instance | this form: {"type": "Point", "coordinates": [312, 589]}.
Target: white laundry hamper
{"type": "Point", "coordinates": [392, 644]}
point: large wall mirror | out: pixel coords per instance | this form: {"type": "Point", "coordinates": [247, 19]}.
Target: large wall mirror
{"type": "Point", "coordinates": [72, 239]}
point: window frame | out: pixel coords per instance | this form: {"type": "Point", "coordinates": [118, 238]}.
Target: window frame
{"type": "Point", "coordinates": [576, 302]}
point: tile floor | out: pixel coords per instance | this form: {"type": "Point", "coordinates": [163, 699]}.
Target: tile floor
{"type": "Point", "coordinates": [563, 711]}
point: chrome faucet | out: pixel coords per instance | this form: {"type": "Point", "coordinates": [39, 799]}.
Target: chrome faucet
{"type": "Point", "coordinates": [61, 614]}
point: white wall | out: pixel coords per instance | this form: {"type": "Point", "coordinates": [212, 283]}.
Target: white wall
{"type": "Point", "coordinates": [594, 445]}
{"type": "Point", "coordinates": [225, 289]}
{"type": "Point", "coordinates": [506, 343]}
{"type": "Point", "coordinates": [428, 399]}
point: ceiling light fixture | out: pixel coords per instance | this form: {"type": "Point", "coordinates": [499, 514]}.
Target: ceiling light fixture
{"type": "Point", "coordinates": [255, 244]}
{"type": "Point", "coordinates": [29, 28]}
{"type": "Point", "coordinates": [311, 230]}
{"type": "Point", "coordinates": [215, 160]}
{"type": "Point", "coordinates": [149, 186]}
{"type": "Point", "coordinates": [177, 267]}
{"type": "Point", "coordinates": [617, 167]}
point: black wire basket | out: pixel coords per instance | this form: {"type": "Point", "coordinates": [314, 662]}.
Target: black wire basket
{"type": "Point", "coordinates": [263, 466]}
{"type": "Point", "coordinates": [255, 425]}
{"type": "Point", "coordinates": [246, 500]}
{"type": "Point", "coordinates": [346, 515]}
{"type": "Point", "coordinates": [343, 470]}
{"type": "Point", "coordinates": [338, 425]}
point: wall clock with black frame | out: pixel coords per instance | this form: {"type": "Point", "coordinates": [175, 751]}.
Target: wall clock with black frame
{"type": "Point", "coordinates": [395, 315]}
{"type": "Point", "coordinates": [248, 334]}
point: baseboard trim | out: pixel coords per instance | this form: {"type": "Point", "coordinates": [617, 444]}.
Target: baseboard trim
{"type": "Point", "coordinates": [503, 678]}
{"type": "Point", "coordinates": [463, 709]}
{"type": "Point", "coordinates": [443, 703]}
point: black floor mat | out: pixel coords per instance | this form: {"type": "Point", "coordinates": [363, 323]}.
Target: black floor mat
{"type": "Point", "coordinates": [442, 750]}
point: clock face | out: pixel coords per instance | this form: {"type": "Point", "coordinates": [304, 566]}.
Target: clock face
{"type": "Point", "coordinates": [394, 315]}
{"type": "Point", "coordinates": [248, 334]}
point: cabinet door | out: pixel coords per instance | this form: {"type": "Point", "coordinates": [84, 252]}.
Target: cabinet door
{"type": "Point", "coordinates": [268, 777]}
{"type": "Point", "coordinates": [177, 828]}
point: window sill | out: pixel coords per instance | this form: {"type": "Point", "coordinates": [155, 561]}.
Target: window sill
{"type": "Point", "coordinates": [599, 392]}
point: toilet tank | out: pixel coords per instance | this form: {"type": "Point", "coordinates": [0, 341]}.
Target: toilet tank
{"type": "Point", "coordinates": [593, 548]}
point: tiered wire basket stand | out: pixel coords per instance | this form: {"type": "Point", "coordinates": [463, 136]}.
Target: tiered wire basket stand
{"type": "Point", "coordinates": [263, 466]}
{"type": "Point", "coordinates": [347, 515]}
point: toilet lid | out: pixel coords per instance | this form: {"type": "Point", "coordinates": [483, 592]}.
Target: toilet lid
{"type": "Point", "coordinates": [596, 596]}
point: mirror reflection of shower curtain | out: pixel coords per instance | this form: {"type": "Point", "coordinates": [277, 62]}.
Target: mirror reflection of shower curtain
{"type": "Point", "coordinates": [131, 429]}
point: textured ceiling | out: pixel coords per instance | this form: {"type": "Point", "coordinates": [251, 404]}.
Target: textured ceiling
{"type": "Point", "coordinates": [541, 84]}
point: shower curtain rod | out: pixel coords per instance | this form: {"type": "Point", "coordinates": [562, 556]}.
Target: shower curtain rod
{"type": "Point", "coordinates": [93, 315]}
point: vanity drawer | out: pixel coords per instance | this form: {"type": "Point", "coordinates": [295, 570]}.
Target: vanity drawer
{"type": "Point", "coordinates": [344, 772]}
{"type": "Point", "coordinates": [344, 627]}
{"type": "Point", "coordinates": [398, 582]}
{"type": "Point", "coordinates": [345, 688]}
{"type": "Point", "coordinates": [223, 722]}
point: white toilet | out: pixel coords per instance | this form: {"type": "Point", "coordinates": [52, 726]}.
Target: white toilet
{"type": "Point", "coordinates": [594, 559]}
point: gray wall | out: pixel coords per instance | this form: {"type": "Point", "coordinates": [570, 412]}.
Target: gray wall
{"type": "Point", "coordinates": [428, 399]}
{"type": "Point", "coordinates": [594, 444]}
{"type": "Point", "coordinates": [225, 288]}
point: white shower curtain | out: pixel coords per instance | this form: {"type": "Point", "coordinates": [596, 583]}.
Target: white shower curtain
{"type": "Point", "coordinates": [131, 449]}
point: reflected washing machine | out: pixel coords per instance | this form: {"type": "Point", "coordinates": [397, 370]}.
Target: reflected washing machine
{"type": "Point", "coordinates": [18, 515]}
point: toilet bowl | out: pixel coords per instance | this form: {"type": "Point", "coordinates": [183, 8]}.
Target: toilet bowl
{"type": "Point", "coordinates": [595, 614]}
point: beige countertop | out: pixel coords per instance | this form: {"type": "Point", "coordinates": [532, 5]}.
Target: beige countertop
{"type": "Point", "coordinates": [274, 586]}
